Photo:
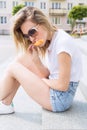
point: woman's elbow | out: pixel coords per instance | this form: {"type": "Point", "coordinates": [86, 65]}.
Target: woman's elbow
{"type": "Point", "coordinates": [44, 75]}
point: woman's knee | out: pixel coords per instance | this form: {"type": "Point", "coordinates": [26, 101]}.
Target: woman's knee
{"type": "Point", "coordinates": [25, 60]}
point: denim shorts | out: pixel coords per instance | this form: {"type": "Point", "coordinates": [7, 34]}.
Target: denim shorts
{"type": "Point", "coordinates": [60, 100]}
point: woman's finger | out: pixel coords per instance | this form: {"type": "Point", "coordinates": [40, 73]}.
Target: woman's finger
{"type": "Point", "coordinates": [30, 48]}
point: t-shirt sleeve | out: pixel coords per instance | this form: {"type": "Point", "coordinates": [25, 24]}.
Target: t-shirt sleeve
{"type": "Point", "coordinates": [65, 46]}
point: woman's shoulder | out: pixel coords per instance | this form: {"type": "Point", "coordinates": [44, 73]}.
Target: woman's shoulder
{"type": "Point", "coordinates": [61, 34]}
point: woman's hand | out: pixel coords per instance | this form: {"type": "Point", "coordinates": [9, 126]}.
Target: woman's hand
{"type": "Point", "coordinates": [33, 52]}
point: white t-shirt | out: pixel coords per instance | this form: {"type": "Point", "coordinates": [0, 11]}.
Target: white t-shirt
{"type": "Point", "coordinates": [63, 42]}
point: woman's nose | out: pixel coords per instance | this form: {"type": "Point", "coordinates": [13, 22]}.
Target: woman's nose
{"type": "Point", "coordinates": [32, 39]}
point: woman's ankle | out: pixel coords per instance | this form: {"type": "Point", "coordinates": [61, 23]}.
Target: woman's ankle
{"type": "Point", "coordinates": [6, 102]}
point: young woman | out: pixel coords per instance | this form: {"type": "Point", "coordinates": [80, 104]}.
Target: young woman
{"type": "Point", "coordinates": [54, 86]}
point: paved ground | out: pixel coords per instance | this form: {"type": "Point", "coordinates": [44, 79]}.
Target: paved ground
{"type": "Point", "coordinates": [29, 115]}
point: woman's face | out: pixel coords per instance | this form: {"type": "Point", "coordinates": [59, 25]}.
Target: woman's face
{"type": "Point", "coordinates": [34, 32]}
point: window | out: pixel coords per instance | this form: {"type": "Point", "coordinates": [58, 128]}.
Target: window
{"type": "Point", "coordinates": [56, 5]}
{"type": "Point", "coordinates": [68, 21]}
{"type": "Point", "coordinates": [29, 3]}
{"type": "Point", "coordinates": [2, 4]}
{"type": "Point", "coordinates": [43, 5]}
{"type": "Point", "coordinates": [81, 3]}
{"type": "Point", "coordinates": [15, 3]}
{"type": "Point", "coordinates": [3, 19]}
{"type": "Point", "coordinates": [70, 5]}
{"type": "Point", "coordinates": [56, 20]}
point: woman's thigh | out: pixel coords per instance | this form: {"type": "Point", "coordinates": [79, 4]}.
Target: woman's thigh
{"type": "Point", "coordinates": [34, 86]}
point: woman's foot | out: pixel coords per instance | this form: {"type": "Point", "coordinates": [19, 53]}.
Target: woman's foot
{"type": "Point", "coordinates": [6, 109]}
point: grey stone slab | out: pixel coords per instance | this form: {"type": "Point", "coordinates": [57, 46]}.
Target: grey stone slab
{"type": "Point", "coordinates": [20, 121]}
{"type": "Point", "coordinates": [73, 119]}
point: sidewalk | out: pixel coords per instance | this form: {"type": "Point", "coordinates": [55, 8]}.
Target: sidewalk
{"type": "Point", "coordinates": [29, 115]}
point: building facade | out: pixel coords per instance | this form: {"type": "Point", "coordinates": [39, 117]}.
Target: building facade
{"type": "Point", "coordinates": [56, 10]}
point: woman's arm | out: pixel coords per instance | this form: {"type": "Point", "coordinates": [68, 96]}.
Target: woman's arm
{"type": "Point", "coordinates": [40, 69]}
{"type": "Point", "coordinates": [31, 60]}
{"type": "Point", "coordinates": [61, 84]}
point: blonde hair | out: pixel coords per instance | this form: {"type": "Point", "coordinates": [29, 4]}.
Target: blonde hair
{"type": "Point", "coordinates": [34, 15]}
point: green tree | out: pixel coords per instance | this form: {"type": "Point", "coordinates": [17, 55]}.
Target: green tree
{"type": "Point", "coordinates": [77, 12]}
{"type": "Point", "coordinates": [17, 8]}
{"type": "Point", "coordinates": [73, 23]}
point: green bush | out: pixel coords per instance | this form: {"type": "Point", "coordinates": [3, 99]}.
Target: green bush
{"type": "Point", "coordinates": [17, 8]}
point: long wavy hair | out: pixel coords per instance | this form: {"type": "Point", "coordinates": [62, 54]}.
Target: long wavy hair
{"type": "Point", "coordinates": [34, 15]}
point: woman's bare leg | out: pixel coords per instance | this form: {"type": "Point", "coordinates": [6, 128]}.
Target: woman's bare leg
{"type": "Point", "coordinates": [7, 100]}
{"type": "Point", "coordinates": [8, 88]}
{"type": "Point", "coordinates": [9, 85]}
{"type": "Point", "coordinates": [32, 84]}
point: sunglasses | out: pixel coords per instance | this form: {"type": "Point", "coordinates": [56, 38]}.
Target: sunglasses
{"type": "Point", "coordinates": [31, 33]}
